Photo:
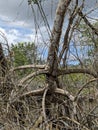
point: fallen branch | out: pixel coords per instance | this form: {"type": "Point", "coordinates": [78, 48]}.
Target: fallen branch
{"type": "Point", "coordinates": [32, 75]}
{"type": "Point", "coordinates": [38, 92]}
{"type": "Point", "coordinates": [84, 86]}
{"type": "Point", "coordinates": [75, 122]}
{"type": "Point", "coordinates": [65, 93]}
{"type": "Point", "coordinates": [43, 104]}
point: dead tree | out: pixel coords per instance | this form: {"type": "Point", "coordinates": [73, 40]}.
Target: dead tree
{"type": "Point", "coordinates": [53, 91]}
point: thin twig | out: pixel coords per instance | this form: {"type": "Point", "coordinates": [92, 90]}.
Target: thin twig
{"type": "Point", "coordinates": [84, 86]}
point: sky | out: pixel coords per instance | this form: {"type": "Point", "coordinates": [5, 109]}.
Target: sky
{"type": "Point", "coordinates": [17, 19]}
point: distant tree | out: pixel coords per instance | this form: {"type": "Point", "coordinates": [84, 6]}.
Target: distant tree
{"type": "Point", "coordinates": [91, 43]}
{"type": "Point", "coordinates": [24, 53]}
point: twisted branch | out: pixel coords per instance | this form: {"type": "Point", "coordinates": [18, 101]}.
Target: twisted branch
{"type": "Point", "coordinates": [32, 75]}
{"type": "Point", "coordinates": [28, 67]}
{"type": "Point", "coordinates": [84, 71]}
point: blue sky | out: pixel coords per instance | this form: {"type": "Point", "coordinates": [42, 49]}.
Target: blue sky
{"type": "Point", "coordinates": [17, 20]}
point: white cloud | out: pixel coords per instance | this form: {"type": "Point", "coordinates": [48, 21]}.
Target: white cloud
{"type": "Point", "coordinates": [15, 36]}
{"type": "Point", "coordinates": [3, 38]}
{"type": "Point", "coordinates": [14, 32]}
{"type": "Point", "coordinates": [17, 14]}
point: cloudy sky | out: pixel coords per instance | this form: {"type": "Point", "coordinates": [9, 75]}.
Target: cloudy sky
{"type": "Point", "coordinates": [17, 18]}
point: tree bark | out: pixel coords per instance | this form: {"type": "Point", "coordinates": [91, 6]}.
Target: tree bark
{"type": "Point", "coordinates": [55, 39]}
{"type": "Point", "coordinates": [55, 36]}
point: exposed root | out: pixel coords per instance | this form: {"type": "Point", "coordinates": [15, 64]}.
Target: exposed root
{"type": "Point", "coordinates": [64, 92]}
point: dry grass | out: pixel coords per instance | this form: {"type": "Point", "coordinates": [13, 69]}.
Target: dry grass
{"type": "Point", "coordinates": [26, 113]}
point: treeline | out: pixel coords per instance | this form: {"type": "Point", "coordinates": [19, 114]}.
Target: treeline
{"type": "Point", "coordinates": [24, 53]}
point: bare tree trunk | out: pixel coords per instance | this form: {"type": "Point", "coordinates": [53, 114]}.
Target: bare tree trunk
{"type": "Point", "coordinates": [54, 47]}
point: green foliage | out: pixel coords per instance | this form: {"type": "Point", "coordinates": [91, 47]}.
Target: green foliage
{"type": "Point", "coordinates": [85, 33]}
{"type": "Point", "coordinates": [24, 53]}
{"type": "Point", "coordinates": [89, 40]}
{"type": "Point", "coordinates": [74, 82]}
